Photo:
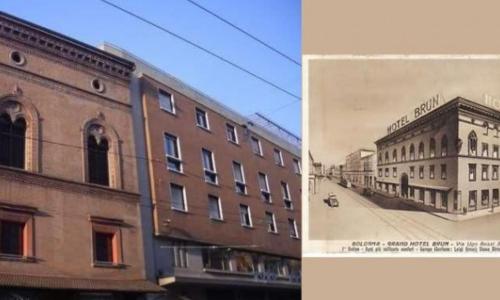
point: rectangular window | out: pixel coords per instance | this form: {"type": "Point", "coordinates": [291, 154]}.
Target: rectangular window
{"type": "Point", "coordinates": [485, 197]}
{"type": "Point", "coordinates": [215, 208]}
{"type": "Point", "coordinates": [278, 157]}
{"type": "Point", "coordinates": [264, 188]}
{"type": "Point", "coordinates": [433, 197]}
{"type": "Point", "coordinates": [16, 231]}
{"type": "Point", "coordinates": [472, 172]}
{"type": "Point", "coordinates": [180, 254]}
{"type": "Point", "coordinates": [444, 175]}
{"type": "Point", "coordinates": [271, 222]}
{"type": "Point", "coordinates": [292, 228]}
{"type": "Point", "coordinates": [273, 265]}
{"type": "Point", "coordinates": [472, 200]}
{"type": "Point", "coordinates": [386, 172]}
{"type": "Point", "coordinates": [394, 172]}
{"type": "Point", "coordinates": [495, 197]}
{"type": "Point", "coordinates": [216, 259]}
{"type": "Point", "coordinates": [239, 178]}
{"type": "Point", "coordinates": [421, 172]}
{"type": "Point", "coordinates": [245, 215]}
{"type": "Point", "coordinates": [172, 152]}
{"type": "Point", "coordinates": [286, 195]}
{"type": "Point", "coordinates": [201, 118]}
{"type": "Point", "coordinates": [296, 166]}
{"type": "Point", "coordinates": [209, 166]}
{"type": "Point", "coordinates": [178, 197]}
{"type": "Point", "coordinates": [412, 192]}
{"type": "Point", "coordinates": [166, 101]}
{"type": "Point", "coordinates": [244, 262]}
{"type": "Point", "coordinates": [12, 237]}
{"type": "Point", "coordinates": [379, 172]}
{"type": "Point", "coordinates": [256, 146]}
{"type": "Point", "coordinates": [484, 172]}
{"type": "Point", "coordinates": [494, 174]}
{"type": "Point", "coordinates": [232, 135]}
{"type": "Point", "coordinates": [495, 151]}
{"type": "Point", "coordinates": [412, 172]}
{"type": "Point", "coordinates": [104, 247]}
{"type": "Point", "coordinates": [484, 150]}
{"type": "Point", "coordinates": [431, 172]}
{"type": "Point", "coordinates": [106, 239]}
{"type": "Point", "coordinates": [421, 194]}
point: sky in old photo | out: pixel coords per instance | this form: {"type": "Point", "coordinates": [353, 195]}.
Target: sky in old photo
{"type": "Point", "coordinates": [352, 102]}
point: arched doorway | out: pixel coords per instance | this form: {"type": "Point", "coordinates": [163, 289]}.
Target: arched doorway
{"type": "Point", "coordinates": [404, 185]}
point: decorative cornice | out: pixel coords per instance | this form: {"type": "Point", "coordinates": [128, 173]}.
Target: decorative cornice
{"type": "Point", "coordinates": [50, 182]}
{"type": "Point", "coordinates": [46, 40]}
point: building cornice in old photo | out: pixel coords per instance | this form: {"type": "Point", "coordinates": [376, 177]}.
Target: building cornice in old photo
{"type": "Point", "coordinates": [46, 40]}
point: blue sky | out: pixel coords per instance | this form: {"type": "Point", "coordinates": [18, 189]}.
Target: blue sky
{"type": "Point", "coordinates": [277, 22]}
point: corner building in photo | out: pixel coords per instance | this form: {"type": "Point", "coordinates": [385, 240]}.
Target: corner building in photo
{"type": "Point", "coordinates": [225, 194]}
{"type": "Point", "coordinates": [69, 199]}
{"type": "Point", "coordinates": [447, 159]}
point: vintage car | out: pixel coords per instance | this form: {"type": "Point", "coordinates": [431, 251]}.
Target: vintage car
{"type": "Point", "coordinates": [332, 200]}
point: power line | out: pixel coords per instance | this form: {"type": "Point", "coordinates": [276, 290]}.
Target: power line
{"type": "Point", "coordinates": [227, 61]}
{"type": "Point", "coordinates": [136, 157]}
{"type": "Point", "coordinates": [244, 32]}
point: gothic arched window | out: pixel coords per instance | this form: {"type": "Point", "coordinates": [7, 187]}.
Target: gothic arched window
{"type": "Point", "coordinates": [403, 154]}
{"type": "Point", "coordinates": [12, 141]}
{"type": "Point", "coordinates": [432, 148]}
{"type": "Point", "coordinates": [412, 152]}
{"type": "Point", "coordinates": [97, 156]}
{"type": "Point", "coordinates": [444, 146]}
{"type": "Point", "coordinates": [421, 150]}
{"type": "Point", "coordinates": [386, 157]}
{"type": "Point", "coordinates": [472, 143]}
{"type": "Point", "coordinates": [394, 155]}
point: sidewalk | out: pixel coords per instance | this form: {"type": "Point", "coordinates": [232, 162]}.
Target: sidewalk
{"type": "Point", "coordinates": [469, 215]}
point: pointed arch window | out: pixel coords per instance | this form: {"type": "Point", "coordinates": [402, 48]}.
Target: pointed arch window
{"type": "Point", "coordinates": [12, 141]}
{"type": "Point", "coordinates": [386, 157]}
{"type": "Point", "coordinates": [412, 152]}
{"type": "Point", "coordinates": [403, 154]}
{"type": "Point", "coordinates": [444, 146]}
{"type": "Point", "coordinates": [421, 150]}
{"type": "Point", "coordinates": [472, 143]}
{"type": "Point", "coordinates": [394, 155]}
{"type": "Point", "coordinates": [432, 148]}
{"type": "Point", "coordinates": [97, 156]}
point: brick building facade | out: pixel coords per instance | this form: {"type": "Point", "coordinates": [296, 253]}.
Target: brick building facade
{"type": "Point", "coordinates": [226, 195]}
{"type": "Point", "coordinates": [69, 218]}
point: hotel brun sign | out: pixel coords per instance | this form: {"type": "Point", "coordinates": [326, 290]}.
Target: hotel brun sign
{"type": "Point", "coordinates": [419, 111]}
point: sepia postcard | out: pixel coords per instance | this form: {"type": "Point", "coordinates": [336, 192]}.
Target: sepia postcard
{"type": "Point", "coordinates": [403, 155]}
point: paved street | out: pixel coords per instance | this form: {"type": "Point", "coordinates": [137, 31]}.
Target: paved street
{"type": "Point", "coordinates": [358, 218]}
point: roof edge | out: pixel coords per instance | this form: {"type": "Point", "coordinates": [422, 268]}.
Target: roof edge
{"type": "Point", "coordinates": [144, 68]}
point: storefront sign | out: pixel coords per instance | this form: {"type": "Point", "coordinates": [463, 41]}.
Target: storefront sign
{"type": "Point", "coordinates": [419, 111]}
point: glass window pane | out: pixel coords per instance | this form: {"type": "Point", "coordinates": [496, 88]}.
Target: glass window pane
{"type": "Point", "coordinates": [166, 101]}
{"type": "Point", "coordinates": [177, 197]}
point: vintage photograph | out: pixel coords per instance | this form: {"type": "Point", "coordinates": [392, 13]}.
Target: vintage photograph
{"type": "Point", "coordinates": [403, 148]}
